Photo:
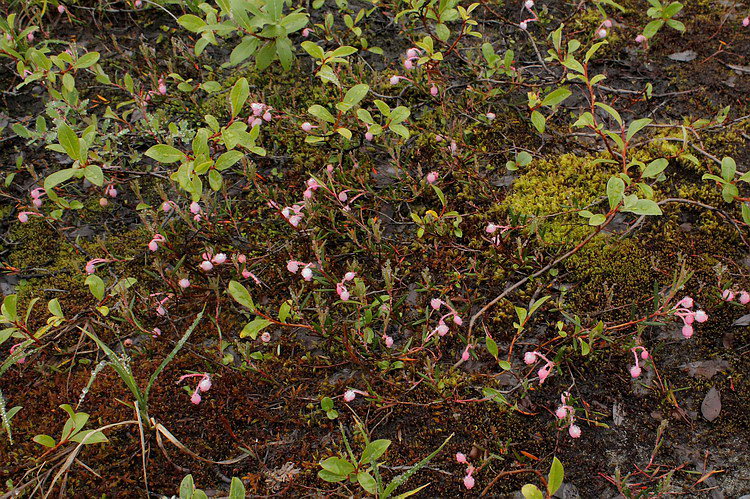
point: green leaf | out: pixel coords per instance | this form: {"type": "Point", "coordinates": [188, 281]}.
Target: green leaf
{"type": "Point", "coordinates": [611, 111]}
{"type": "Point", "coordinates": [69, 141]}
{"type": "Point", "coordinates": [228, 159]}
{"type": "Point", "coordinates": [337, 466]}
{"type": "Point", "coordinates": [285, 52]}
{"type": "Point", "coordinates": [597, 220]}
{"type": "Point", "coordinates": [56, 179]}
{"type": "Point", "coordinates": [321, 113]}
{"type": "Point", "coordinates": [91, 436]}
{"type": "Point", "coordinates": [636, 126]}
{"type": "Point", "coordinates": [94, 175]}
{"type": "Point", "coordinates": [242, 51]}
{"type": "Point", "coordinates": [355, 94]}
{"type": "Point", "coordinates": [367, 482]}
{"type": "Point", "coordinates": [615, 191]}
{"type": "Point", "coordinates": [313, 49]}
{"type": "Point", "coordinates": [191, 22]}
{"type": "Point", "coordinates": [187, 487]}
{"type": "Point", "coordinates": [652, 28]}
{"type": "Point", "coordinates": [9, 308]}
{"type": "Point", "coordinates": [654, 168]}
{"type": "Point", "coordinates": [555, 477]}
{"type": "Point", "coordinates": [644, 207]}
{"type": "Point", "coordinates": [87, 60]}
{"type": "Point", "coordinates": [237, 489]}
{"type": "Point", "coordinates": [374, 450]}
{"type": "Point", "coordinates": [491, 346]}
{"type": "Point", "coordinates": [556, 97]}
{"type": "Point", "coordinates": [252, 329]}
{"type": "Point", "coordinates": [165, 154]}
{"type": "Point", "coordinates": [330, 477]}
{"type": "Point", "coordinates": [96, 286]}
{"type": "Point", "coordinates": [44, 440]}
{"type": "Point", "coordinates": [399, 114]}
{"type": "Point", "coordinates": [728, 169]}
{"type": "Point", "coordinates": [238, 95]}
{"type": "Point", "coordinates": [539, 121]}
{"type": "Point", "coordinates": [531, 491]}
{"type": "Point", "coordinates": [215, 180]}
{"type": "Point", "coordinates": [54, 308]}
{"type": "Point", "coordinates": [241, 295]}
{"type": "Point", "coordinates": [442, 32]}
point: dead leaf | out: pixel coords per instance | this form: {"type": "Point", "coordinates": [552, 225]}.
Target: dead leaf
{"type": "Point", "coordinates": [742, 321]}
{"type": "Point", "coordinates": [685, 56]}
{"type": "Point", "coordinates": [711, 406]}
{"type": "Point", "coordinates": [706, 369]}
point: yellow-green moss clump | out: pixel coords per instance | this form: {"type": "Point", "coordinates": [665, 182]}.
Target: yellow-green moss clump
{"type": "Point", "coordinates": [558, 186]}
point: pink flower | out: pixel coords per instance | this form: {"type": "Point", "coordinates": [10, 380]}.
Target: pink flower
{"type": "Point", "coordinates": [246, 273]}
{"type": "Point", "coordinates": [349, 395]}
{"type": "Point", "coordinates": [369, 136]}
{"type": "Point", "coordinates": [442, 329]}
{"type": "Point", "coordinates": [138, 4]}
{"type": "Point", "coordinates": [349, 276]}
{"type": "Point", "coordinates": [206, 265]}
{"type": "Point", "coordinates": [412, 53]}
{"type": "Point", "coordinates": [110, 191]}
{"type": "Point", "coordinates": [744, 297]}
{"type": "Point", "coordinates": [242, 258]}
{"type": "Point", "coordinates": [205, 384]}
{"type": "Point", "coordinates": [30, 37]}
{"type": "Point", "coordinates": [457, 320]}
{"type": "Point", "coordinates": [686, 302]}
{"type": "Point", "coordinates": [166, 206]}
{"type": "Point", "coordinates": [461, 458]}
{"type": "Point", "coordinates": [162, 87]}
{"type": "Point", "coordinates": [574, 431]}
{"type": "Point", "coordinates": [61, 9]}
{"type": "Point", "coordinates": [388, 342]}
{"type": "Point", "coordinates": [432, 177]}
{"type": "Point", "coordinates": [435, 303]}
{"type": "Point", "coordinates": [727, 295]}
{"type": "Point", "coordinates": [102, 202]}
{"type": "Point", "coordinates": [465, 354]}
{"type": "Point", "coordinates": [219, 258]}
{"type": "Point", "coordinates": [154, 244]}
{"type": "Point", "coordinates": [701, 316]}
{"type": "Point", "coordinates": [433, 90]}
{"type": "Point", "coordinates": [196, 398]}
{"type": "Point", "coordinates": [490, 116]}
{"type": "Point", "coordinates": [561, 412]}
{"type": "Point", "coordinates": [529, 4]}
{"type": "Point", "coordinates": [602, 33]}
{"type": "Point", "coordinates": [306, 126]}
{"type": "Point", "coordinates": [523, 25]}
{"type": "Point", "coordinates": [640, 39]}
{"type": "Point", "coordinates": [469, 482]}
{"type": "Point", "coordinates": [407, 65]}
{"type": "Point", "coordinates": [395, 79]}
{"type": "Point", "coordinates": [292, 266]}
{"type": "Point", "coordinates": [607, 23]}
{"type": "Point", "coordinates": [687, 330]}
{"type": "Point", "coordinates": [746, 21]}
{"type": "Point", "coordinates": [543, 373]}
{"type": "Point", "coordinates": [529, 358]}
{"type": "Point", "coordinates": [195, 208]}
{"type": "Point", "coordinates": [306, 32]}
{"type": "Point", "coordinates": [184, 283]}
{"type": "Point", "coordinates": [265, 337]}
{"type": "Point", "coordinates": [307, 273]}
{"type": "Point", "coordinates": [635, 371]}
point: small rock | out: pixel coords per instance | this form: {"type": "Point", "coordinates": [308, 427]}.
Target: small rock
{"type": "Point", "coordinates": [711, 406]}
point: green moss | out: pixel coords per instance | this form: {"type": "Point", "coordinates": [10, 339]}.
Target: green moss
{"type": "Point", "coordinates": [554, 187]}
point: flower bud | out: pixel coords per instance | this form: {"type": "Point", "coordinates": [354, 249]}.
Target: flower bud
{"type": "Point", "coordinates": [195, 398]}
{"type": "Point", "coordinates": [205, 384]}
{"type": "Point", "coordinates": [349, 395]}
{"type": "Point", "coordinates": [574, 431]}
{"type": "Point", "coordinates": [184, 283]}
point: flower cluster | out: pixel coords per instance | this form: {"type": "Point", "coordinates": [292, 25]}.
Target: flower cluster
{"type": "Point", "coordinates": [529, 6]}
{"type": "Point", "coordinates": [688, 316]}
{"type": "Point", "coordinates": [601, 31]}
{"type": "Point", "coordinates": [307, 268]}
{"type": "Point", "coordinates": [544, 371]}
{"type": "Point", "coordinates": [635, 370]}
{"type": "Point", "coordinates": [412, 55]}
{"type": "Point", "coordinates": [468, 479]}
{"type": "Point", "coordinates": [160, 303]}
{"type": "Point", "coordinates": [209, 260]}
{"type": "Point", "coordinates": [341, 288]}
{"type": "Point", "coordinates": [154, 244]}
{"type": "Point", "coordinates": [203, 386]}
{"type": "Point", "coordinates": [261, 113]}
{"type": "Point", "coordinates": [567, 413]}
{"type": "Point", "coordinates": [442, 328]}
{"type": "Point", "coordinates": [730, 295]}
{"type": "Point", "coordinates": [36, 196]}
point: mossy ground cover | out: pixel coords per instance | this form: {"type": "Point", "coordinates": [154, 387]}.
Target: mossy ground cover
{"type": "Point", "coordinates": [408, 240]}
